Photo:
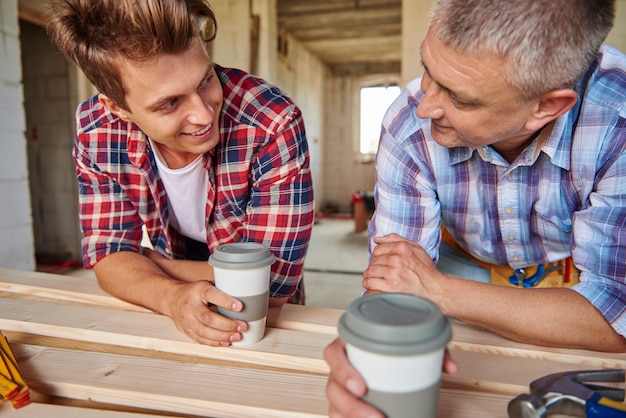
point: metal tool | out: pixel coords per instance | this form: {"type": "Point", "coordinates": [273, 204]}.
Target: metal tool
{"type": "Point", "coordinates": [569, 394]}
{"type": "Point", "coordinates": [519, 275]}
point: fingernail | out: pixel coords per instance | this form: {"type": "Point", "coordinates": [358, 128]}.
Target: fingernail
{"type": "Point", "coordinates": [235, 337]}
{"type": "Point", "coordinates": [241, 327]}
{"type": "Point", "coordinates": [353, 387]}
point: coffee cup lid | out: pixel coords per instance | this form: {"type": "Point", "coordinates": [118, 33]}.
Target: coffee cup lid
{"type": "Point", "coordinates": [395, 324]}
{"type": "Point", "coordinates": [241, 255]}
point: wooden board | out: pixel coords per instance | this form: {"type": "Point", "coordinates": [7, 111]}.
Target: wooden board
{"type": "Point", "coordinates": [312, 320]}
{"type": "Point", "coordinates": [51, 315]}
{"type": "Point", "coordinates": [279, 348]}
{"type": "Point", "coordinates": [203, 390]}
{"type": "Point", "coordinates": [87, 291]}
{"type": "Point", "coordinates": [191, 388]}
{"type": "Point", "coordinates": [43, 410]}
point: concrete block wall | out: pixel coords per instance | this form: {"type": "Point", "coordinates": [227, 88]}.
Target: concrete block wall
{"type": "Point", "coordinates": [50, 135]}
{"type": "Point", "coordinates": [16, 225]}
{"type": "Point", "coordinates": [302, 76]}
{"type": "Point", "coordinates": [343, 174]}
{"type": "Point", "coordinates": [231, 47]}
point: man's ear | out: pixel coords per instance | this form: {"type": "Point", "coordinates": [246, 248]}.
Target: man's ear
{"type": "Point", "coordinates": [114, 107]}
{"type": "Point", "coordinates": [550, 106]}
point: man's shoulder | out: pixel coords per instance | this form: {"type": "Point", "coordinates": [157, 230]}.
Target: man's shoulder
{"type": "Point", "coordinates": [606, 81]}
{"type": "Point", "coordinates": [252, 100]}
{"type": "Point", "coordinates": [99, 130]}
{"type": "Point", "coordinates": [92, 115]}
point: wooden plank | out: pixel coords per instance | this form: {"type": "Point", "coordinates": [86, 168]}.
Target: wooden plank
{"type": "Point", "coordinates": [57, 411]}
{"type": "Point", "coordinates": [467, 338]}
{"type": "Point", "coordinates": [464, 404]}
{"type": "Point", "coordinates": [279, 348]}
{"type": "Point", "coordinates": [172, 386]}
{"type": "Point", "coordinates": [60, 287]}
{"type": "Point", "coordinates": [306, 319]}
{"type": "Point", "coordinates": [479, 370]}
{"type": "Point", "coordinates": [204, 390]}
{"type": "Point", "coordinates": [87, 291]}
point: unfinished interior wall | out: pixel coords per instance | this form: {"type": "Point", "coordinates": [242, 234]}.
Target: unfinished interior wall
{"type": "Point", "coordinates": [265, 59]}
{"type": "Point", "coordinates": [231, 47]}
{"type": "Point", "coordinates": [343, 173]}
{"type": "Point", "coordinates": [298, 73]}
{"type": "Point", "coordinates": [302, 76]}
{"type": "Point", "coordinates": [415, 21]}
{"type": "Point", "coordinates": [16, 227]}
{"type": "Point", "coordinates": [50, 135]}
{"type": "Point", "coordinates": [617, 37]}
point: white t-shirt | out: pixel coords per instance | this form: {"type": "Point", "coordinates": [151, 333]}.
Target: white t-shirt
{"type": "Point", "coordinates": [186, 190]}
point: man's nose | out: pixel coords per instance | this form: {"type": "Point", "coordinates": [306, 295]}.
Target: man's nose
{"type": "Point", "coordinates": [199, 112]}
{"type": "Point", "coordinates": [430, 107]}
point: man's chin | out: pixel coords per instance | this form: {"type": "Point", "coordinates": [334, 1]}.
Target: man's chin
{"type": "Point", "coordinates": [446, 139]}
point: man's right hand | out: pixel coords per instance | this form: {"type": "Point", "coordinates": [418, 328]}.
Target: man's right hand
{"type": "Point", "coordinates": [345, 385]}
{"type": "Point", "coordinates": [193, 308]}
{"type": "Point", "coordinates": [192, 305]}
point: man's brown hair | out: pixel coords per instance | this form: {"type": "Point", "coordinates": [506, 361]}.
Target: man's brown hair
{"type": "Point", "coordinates": [96, 34]}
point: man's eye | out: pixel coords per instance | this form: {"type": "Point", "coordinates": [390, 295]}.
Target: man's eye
{"type": "Point", "coordinates": [170, 105]}
{"type": "Point", "coordinates": [456, 102]}
{"type": "Point", "coordinates": [207, 80]}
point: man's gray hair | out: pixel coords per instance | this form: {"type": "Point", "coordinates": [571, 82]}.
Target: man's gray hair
{"type": "Point", "coordinates": [548, 44]}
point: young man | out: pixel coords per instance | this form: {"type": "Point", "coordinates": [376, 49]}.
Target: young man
{"type": "Point", "coordinates": [196, 154]}
{"type": "Point", "coordinates": [515, 140]}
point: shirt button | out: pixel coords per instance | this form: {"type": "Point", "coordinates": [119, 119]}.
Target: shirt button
{"type": "Point", "coordinates": [516, 258]}
{"type": "Point", "coordinates": [508, 211]}
{"type": "Point", "coordinates": [511, 238]}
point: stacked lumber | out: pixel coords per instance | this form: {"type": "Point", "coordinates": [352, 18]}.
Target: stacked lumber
{"type": "Point", "coordinates": [78, 347]}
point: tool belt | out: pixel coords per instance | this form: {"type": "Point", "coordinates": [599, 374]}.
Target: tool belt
{"type": "Point", "coordinates": [560, 273]}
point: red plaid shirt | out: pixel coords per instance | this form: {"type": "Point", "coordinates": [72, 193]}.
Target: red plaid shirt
{"type": "Point", "coordinates": [260, 182]}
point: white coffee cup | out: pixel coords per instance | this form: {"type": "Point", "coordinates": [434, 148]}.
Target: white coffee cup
{"type": "Point", "coordinates": [396, 341]}
{"type": "Point", "coordinates": [242, 270]}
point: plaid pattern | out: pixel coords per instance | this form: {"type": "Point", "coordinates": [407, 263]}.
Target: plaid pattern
{"type": "Point", "coordinates": [260, 182]}
{"type": "Point", "coordinates": [570, 198]}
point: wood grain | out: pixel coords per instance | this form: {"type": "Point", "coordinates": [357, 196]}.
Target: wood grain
{"type": "Point", "coordinates": [279, 348]}
{"type": "Point", "coordinates": [79, 343]}
{"type": "Point", "coordinates": [197, 389]}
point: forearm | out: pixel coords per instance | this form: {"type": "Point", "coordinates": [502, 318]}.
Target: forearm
{"type": "Point", "coordinates": [184, 270]}
{"type": "Point", "coordinates": [556, 317]}
{"type": "Point", "coordinates": [136, 279]}
{"type": "Point", "coordinates": [191, 271]}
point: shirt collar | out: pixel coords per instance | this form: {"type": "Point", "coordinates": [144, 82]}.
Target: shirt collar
{"type": "Point", "coordinates": [550, 141]}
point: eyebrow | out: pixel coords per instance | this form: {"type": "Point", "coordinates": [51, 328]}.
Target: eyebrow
{"type": "Point", "coordinates": [163, 100]}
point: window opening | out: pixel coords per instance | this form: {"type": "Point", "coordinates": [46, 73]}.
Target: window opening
{"type": "Point", "coordinates": [374, 103]}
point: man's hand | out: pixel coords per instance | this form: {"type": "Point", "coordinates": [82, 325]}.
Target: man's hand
{"type": "Point", "coordinates": [193, 308]}
{"type": "Point", "coordinates": [399, 265]}
{"type": "Point", "coordinates": [137, 279]}
{"type": "Point", "coordinates": [345, 385]}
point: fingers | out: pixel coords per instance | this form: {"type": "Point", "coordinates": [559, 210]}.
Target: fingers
{"type": "Point", "coordinates": [194, 312]}
{"type": "Point", "coordinates": [345, 385]}
{"type": "Point", "coordinates": [214, 296]}
{"type": "Point", "coordinates": [388, 238]}
{"type": "Point", "coordinates": [449, 365]}
{"type": "Point", "coordinates": [341, 369]}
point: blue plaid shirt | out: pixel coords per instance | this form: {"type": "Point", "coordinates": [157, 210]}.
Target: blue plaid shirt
{"type": "Point", "coordinates": [565, 196]}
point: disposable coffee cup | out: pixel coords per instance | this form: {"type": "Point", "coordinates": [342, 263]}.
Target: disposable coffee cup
{"type": "Point", "coordinates": [397, 341]}
{"type": "Point", "coordinates": [242, 270]}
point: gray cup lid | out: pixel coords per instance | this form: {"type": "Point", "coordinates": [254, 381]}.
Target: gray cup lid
{"type": "Point", "coordinates": [241, 256]}
{"type": "Point", "coordinates": [395, 323]}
